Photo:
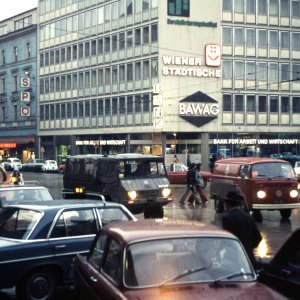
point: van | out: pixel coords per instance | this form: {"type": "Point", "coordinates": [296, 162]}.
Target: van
{"type": "Point", "coordinates": [137, 181]}
{"type": "Point", "coordinates": [264, 183]}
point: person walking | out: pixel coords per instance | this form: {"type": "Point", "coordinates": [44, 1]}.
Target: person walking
{"type": "Point", "coordinates": [188, 160]}
{"type": "Point", "coordinates": [201, 194]}
{"type": "Point", "coordinates": [241, 224]}
{"type": "Point", "coordinates": [190, 184]}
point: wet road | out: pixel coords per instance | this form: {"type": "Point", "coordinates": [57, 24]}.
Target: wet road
{"type": "Point", "coordinates": [273, 230]}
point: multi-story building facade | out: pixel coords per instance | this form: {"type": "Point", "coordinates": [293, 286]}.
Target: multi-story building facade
{"type": "Point", "coordinates": [18, 97]}
{"type": "Point", "coordinates": [172, 76]}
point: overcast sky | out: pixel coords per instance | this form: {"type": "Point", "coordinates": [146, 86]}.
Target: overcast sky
{"type": "Point", "coordinates": [11, 8]}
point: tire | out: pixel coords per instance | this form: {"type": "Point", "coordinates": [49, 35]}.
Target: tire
{"type": "Point", "coordinates": [219, 205]}
{"type": "Point", "coordinates": [38, 285]}
{"type": "Point", "coordinates": [285, 213]}
{"type": "Point", "coordinates": [154, 212]}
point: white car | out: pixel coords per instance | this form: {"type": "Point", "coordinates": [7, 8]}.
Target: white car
{"type": "Point", "coordinates": [12, 163]}
{"type": "Point", "coordinates": [50, 166]}
{"type": "Point", "coordinates": [297, 168]}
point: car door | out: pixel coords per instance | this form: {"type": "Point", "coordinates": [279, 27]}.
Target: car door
{"type": "Point", "coordinates": [73, 233]}
{"type": "Point", "coordinates": [100, 275]}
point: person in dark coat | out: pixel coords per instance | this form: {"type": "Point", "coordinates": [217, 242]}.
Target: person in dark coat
{"type": "Point", "coordinates": [241, 224]}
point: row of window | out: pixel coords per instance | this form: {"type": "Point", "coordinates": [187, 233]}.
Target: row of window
{"type": "Point", "coordinates": [104, 45]}
{"type": "Point", "coordinates": [97, 107]}
{"type": "Point", "coordinates": [15, 55]}
{"type": "Point", "coordinates": [18, 24]}
{"type": "Point", "coordinates": [260, 71]}
{"type": "Point", "coordinates": [94, 78]}
{"type": "Point", "coordinates": [86, 20]}
{"type": "Point", "coordinates": [138, 6]}
{"type": "Point", "coordinates": [282, 8]}
{"type": "Point", "coordinates": [263, 38]}
{"type": "Point", "coordinates": [261, 104]}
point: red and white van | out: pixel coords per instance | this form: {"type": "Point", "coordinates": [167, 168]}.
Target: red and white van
{"type": "Point", "coordinates": [265, 184]}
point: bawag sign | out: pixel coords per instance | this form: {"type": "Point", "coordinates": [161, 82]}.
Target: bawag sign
{"type": "Point", "coordinates": [198, 109]}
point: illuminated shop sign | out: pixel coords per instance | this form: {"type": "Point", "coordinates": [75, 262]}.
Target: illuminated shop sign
{"type": "Point", "coordinates": [255, 141]}
{"type": "Point", "coordinates": [192, 23]}
{"type": "Point", "coordinates": [8, 145]}
{"type": "Point", "coordinates": [187, 67]}
{"type": "Point", "coordinates": [198, 109]}
{"type": "Point", "coordinates": [100, 142]}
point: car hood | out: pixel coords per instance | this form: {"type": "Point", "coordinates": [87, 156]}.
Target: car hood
{"type": "Point", "coordinates": [254, 290]}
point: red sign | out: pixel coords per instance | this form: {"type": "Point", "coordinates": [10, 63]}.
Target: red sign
{"type": "Point", "coordinates": [8, 145]}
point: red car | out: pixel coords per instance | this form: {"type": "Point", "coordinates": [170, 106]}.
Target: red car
{"type": "Point", "coordinates": [167, 259]}
{"type": "Point", "coordinates": [177, 174]}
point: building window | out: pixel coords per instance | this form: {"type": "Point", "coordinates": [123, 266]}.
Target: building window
{"type": "Point", "coordinates": [2, 117]}
{"type": "Point", "coordinates": [3, 30]}
{"type": "Point", "coordinates": [28, 50]}
{"type": "Point", "coordinates": [227, 69]}
{"type": "Point", "coordinates": [15, 77]}
{"type": "Point", "coordinates": [138, 102]}
{"type": "Point", "coordinates": [15, 112]}
{"type": "Point", "coordinates": [114, 106]}
{"type": "Point", "coordinates": [250, 37]}
{"type": "Point", "coordinates": [239, 70]}
{"type": "Point", "coordinates": [227, 103]}
{"type": "Point", "coordinates": [137, 71]}
{"type": "Point", "coordinates": [284, 40]}
{"type": "Point", "coordinates": [296, 72]}
{"type": "Point", "coordinates": [262, 72]}
{"type": "Point", "coordinates": [107, 107]}
{"type": "Point", "coordinates": [154, 37]}
{"type": "Point", "coordinates": [284, 72]}
{"type": "Point", "coordinates": [262, 7]}
{"type": "Point", "coordinates": [146, 35]}
{"type": "Point", "coordinates": [15, 54]}
{"type": "Point", "coordinates": [296, 105]}
{"type": "Point", "coordinates": [122, 73]}
{"type": "Point", "coordinates": [239, 103]}
{"type": "Point", "coordinates": [146, 103]}
{"type": "Point", "coordinates": [87, 109]}
{"type": "Point", "coordinates": [274, 8]}
{"type": "Point", "coordinates": [239, 36]}
{"type": "Point", "coordinates": [285, 104]}
{"type": "Point", "coordinates": [274, 72]}
{"type": "Point", "coordinates": [239, 6]}
{"type": "Point", "coordinates": [262, 104]}
{"type": "Point", "coordinates": [250, 70]}
{"type": "Point", "coordinates": [273, 39]}
{"type": "Point", "coordinates": [100, 107]}
{"type": "Point", "coordinates": [154, 67]}
{"type": "Point", "coordinates": [75, 110]}
{"type": "Point", "coordinates": [3, 56]}
{"type": "Point", "coordinates": [129, 104]}
{"type": "Point", "coordinates": [250, 6]}
{"type": "Point", "coordinates": [227, 36]}
{"type": "Point", "coordinates": [129, 39]}
{"type": "Point", "coordinates": [284, 8]}
{"type": "Point", "coordinates": [129, 7]}
{"type": "Point", "coordinates": [179, 8]}
{"type": "Point", "coordinates": [250, 103]}
{"type": "Point", "coordinates": [296, 41]}
{"type": "Point", "coordinates": [122, 108]}
{"type": "Point", "coordinates": [295, 8]}
{"type": "Point", "coordinates": [262, 38]}
{"type": "Point", "coordinates": [227, 5]}
{"type": "Point", "coordinates": [274, 104]}
{"type": "Point", "coordinates": [2, 85]}
{"type": "Point", "coordinates": [129, 72]}
{"type": "Point", "coordinates": [145, 69]}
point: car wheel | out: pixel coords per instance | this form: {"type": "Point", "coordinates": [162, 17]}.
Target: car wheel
{"type": "Point", "coordinates": [219, 205]}
{"type": "Point", "coordinates": [154, 212]}
{"type": "Point", "coordinates": [39, 285]}
{"type": "Point", "coordinates": [285, 213]}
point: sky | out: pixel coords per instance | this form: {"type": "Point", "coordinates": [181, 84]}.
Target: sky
{"type": "Point", "coordinates": [14, 7]}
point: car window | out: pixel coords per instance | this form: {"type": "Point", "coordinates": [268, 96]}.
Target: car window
{"type": "Point", "coordinates": [112, 214]}
{"type": "Point", "coordinates": [17, 223]}
{"type": "Point", "coordinates": [75, 223]}
{"type": "Point", "coordinates": [111, 263]}
{"type": "Point", "coordinates": [98, 249]}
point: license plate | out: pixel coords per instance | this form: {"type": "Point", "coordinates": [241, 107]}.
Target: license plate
{"type": "Point", "coordinates": [277, 201]}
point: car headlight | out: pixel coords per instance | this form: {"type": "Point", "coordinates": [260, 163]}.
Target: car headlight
{"type": "Point", "coordinates": [261, 194]}
{"type": "Point", "coordinates": [132, 195]}
{"type": "Point", "coordinates": [294, 194]}
{"type": "Point", "coordinates": [166, 192]}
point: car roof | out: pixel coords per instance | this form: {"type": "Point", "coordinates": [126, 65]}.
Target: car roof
{"type": "Point", "coordinates": [159, 228]}
{"type": "Point", "coordinates": [21, 187]}
{"type": "Point", "coordinates": [45, 205]}
{"type": "Point", "coordinates": [250, 160]}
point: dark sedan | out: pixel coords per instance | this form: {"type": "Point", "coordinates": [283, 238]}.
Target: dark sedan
{"type": "Point", "coordinates": [39, 241]}
{"type": "Point", "coordinates": [167, 259]}
{"type": "Point", "coordinates": [283, 271]}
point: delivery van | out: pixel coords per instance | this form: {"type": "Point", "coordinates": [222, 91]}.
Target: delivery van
{"type": "Point", "coordinates": [138, 181]}
{"type": "Point", "coordinates": [264, 183]}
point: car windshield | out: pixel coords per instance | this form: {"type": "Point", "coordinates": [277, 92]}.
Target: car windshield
{"type": "Point", "coordinates": [198, 259]}
{"type": "Point", "coordinates": [17, 223]}
{"type": "Point", "coordinates": [141, 168]}
{"type": "Point", "coordinates": [272, 170]}
{"type": "Point", "coordinates": [26, 194]}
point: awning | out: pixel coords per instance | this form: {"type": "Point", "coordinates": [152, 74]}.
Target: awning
{"type": "Point", "coordinates": [17, 140]}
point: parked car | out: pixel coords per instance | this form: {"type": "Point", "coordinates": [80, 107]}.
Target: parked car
{"type": "Point", "coordinates": [297, 169]}
{"type": "Point", "coordinates": [11, 194]}
{"type": "Point", "coordinates": [177, 174]}
{"type": "Point", "coordinates": [34, 165]}
{"type": "Point", "coordinates": [38, 242]}
{"type": "Point", "coordinates": [12, 163]}
{"type": "Point", "coordinates": [282, 272]}
{"type": "Point", "coordinates": [167, 259]}
{"type": "Point", "coordinates": [50, 166]}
